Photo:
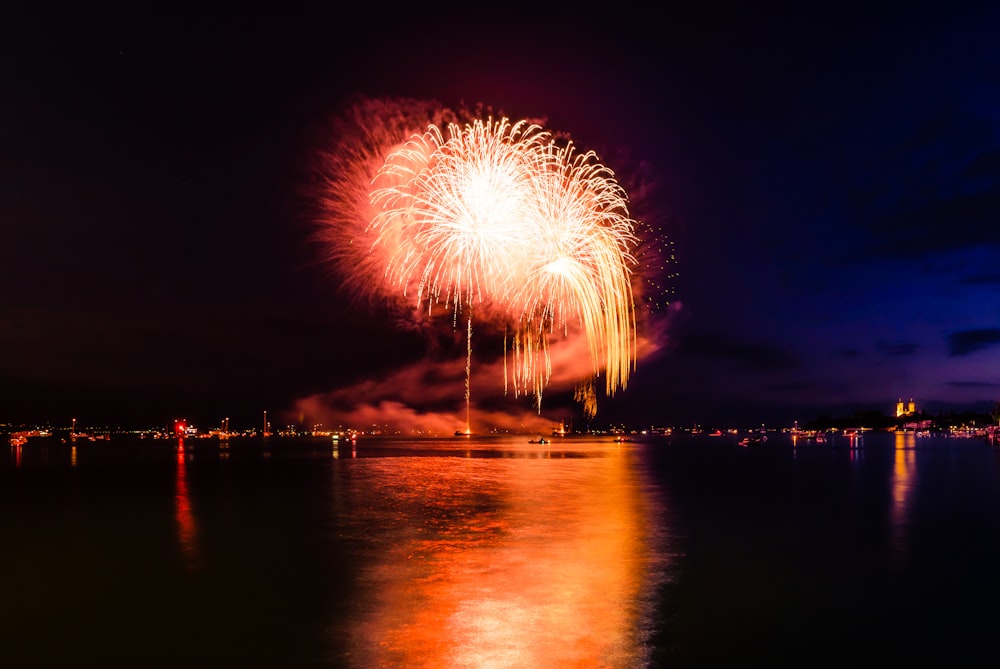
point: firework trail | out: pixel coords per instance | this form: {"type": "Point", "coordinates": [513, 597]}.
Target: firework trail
{"type": "Point", "coordinates": [490, 219]}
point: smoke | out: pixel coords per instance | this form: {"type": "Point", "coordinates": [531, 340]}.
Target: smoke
{"type": "Point", "coordinates": [397, 228]}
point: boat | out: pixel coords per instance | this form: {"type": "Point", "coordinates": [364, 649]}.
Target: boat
{"type": "Point", "coordinates": [540, 440]}
{"type": "Point", "coordinates": [753, 440]}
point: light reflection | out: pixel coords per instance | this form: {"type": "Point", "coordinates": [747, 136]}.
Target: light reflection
{"type": "Point", "coordinates": [499, 562]}
{"type": "Point", "coordinates": [72, 456]}
{"type": "Point", "coordinates": [904, 475]}
{"type": "Point", "coordinates": [187, 531]}
{"type": "Point", "coordinates": [856, 439]}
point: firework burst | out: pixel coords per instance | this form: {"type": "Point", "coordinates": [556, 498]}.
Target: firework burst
{"type": "Point", "coordinates": [489, 220]}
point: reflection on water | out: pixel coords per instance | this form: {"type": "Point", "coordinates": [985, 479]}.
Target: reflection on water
{"type": "Point", "coordinates": [502, 562]}
{"type": "Point", "coordinates": [904, 483]}
{"type": "Point", "coordinates": [187, 531]}
{"type": "Point", "coordinates": [856, 442]}
{"type": "Point", "coordinates": [496, 553]}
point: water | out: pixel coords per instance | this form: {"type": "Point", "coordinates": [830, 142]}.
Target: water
{"type": "Point", "coordinates": [672, 552]}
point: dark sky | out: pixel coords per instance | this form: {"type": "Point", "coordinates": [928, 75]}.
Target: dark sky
{"type": "Point", "coordinates": [829, 180]}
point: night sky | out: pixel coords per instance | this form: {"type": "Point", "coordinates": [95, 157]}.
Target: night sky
{"type": "Point", "coordinates": [828, 181]}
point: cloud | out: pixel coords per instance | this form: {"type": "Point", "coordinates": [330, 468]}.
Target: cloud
{"type": "Point", "coordinates": [984, 168]}
{"type": "Point", "coordinates": [973, 384]}
{"type": "Point", "coordinates": [944, 191]}
{"type": "Point", "coordinates": [990, 279]}
{"type": "Point", "coordinates": [970, 341]}
{"type": "Point", "coordinates": [750, 355]}
{"type": "Point", "coordinates": [793, 387]}
{"type": "Point", "coordinates": [955, 221]}
{"type": "Point", "coordinates": [896, 348]}
{"type": "Point", "coordinates": [428, 396]}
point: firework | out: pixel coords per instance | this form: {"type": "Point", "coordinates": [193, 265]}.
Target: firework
{"type": "Point", "coordinates": [496, 221]}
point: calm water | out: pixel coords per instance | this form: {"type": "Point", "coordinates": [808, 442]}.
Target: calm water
{"type": "Point", "coordinates": [671, 552]}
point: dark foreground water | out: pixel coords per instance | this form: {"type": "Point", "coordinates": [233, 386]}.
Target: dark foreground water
{"type": "Point", "coordinates": [671, 552]}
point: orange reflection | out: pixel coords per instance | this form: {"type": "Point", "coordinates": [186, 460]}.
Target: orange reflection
{"type": "Point", "coordinates": [520, 562]}
{"type": "Point", "coordinates": [187, 532]}
{"type": "Point", "coordinates": [904, 473]}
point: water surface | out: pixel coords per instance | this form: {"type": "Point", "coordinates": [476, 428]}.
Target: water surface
{"type": "Point", "coordinates": [493, 552]}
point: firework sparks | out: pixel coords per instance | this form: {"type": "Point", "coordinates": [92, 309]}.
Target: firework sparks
{"type": "Point", "coordinates": [493, 220]}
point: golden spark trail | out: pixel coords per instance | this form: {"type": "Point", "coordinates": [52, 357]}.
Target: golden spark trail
{"type": "Point", "coordinates": [468, 378]}
{"type": "Point", "coordinates": [500, 215]}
